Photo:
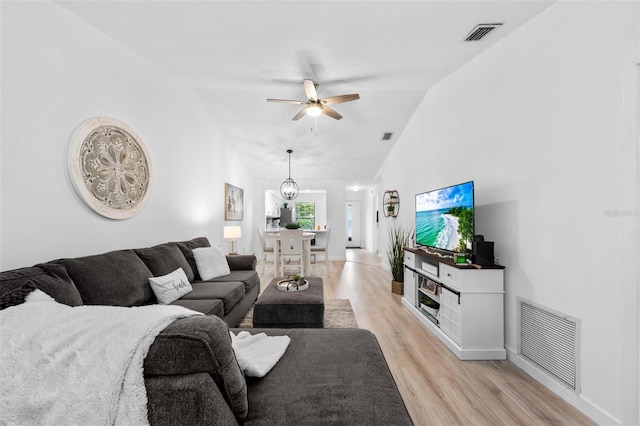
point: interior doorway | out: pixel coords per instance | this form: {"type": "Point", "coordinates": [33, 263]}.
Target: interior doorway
{"type": "Point", "coordinates": [353, 224]}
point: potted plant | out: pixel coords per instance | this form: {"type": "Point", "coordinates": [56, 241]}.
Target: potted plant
{"type": "Point", "coordinates": [398, 239]}
{"type": "Point", "coordinates": [292, 226]}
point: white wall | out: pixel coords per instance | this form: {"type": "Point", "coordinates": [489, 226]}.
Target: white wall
{"type": "Point", "coordinates": [58, 71]}
{"type": "Point", "coordinates": [539, 123]}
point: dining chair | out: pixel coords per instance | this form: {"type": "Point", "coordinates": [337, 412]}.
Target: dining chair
{"type": "Point", "coordinates": [324, 249]}
{"type": "Point", "coordinates": [291, 246]}
{"type": "Point", "coordinates": [266, 251]}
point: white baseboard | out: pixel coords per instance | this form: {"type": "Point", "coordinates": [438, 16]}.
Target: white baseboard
{"type": "Point", "coordinates": [587, 407]}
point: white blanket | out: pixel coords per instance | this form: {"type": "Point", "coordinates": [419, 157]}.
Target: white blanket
{"type": "Point", "coordinates": [77, 366]}
{"type": "Point", "coordinates": [257, 354]}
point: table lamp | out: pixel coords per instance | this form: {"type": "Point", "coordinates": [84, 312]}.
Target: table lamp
{"type": "Point", "coordinates": [232, 233]}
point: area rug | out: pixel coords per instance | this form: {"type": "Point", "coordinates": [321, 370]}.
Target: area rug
{"type": "Point", "coordinates": [337, 314]}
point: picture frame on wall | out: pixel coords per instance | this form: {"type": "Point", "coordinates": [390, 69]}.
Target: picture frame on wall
{"type": "Point", "coordinates": [233, 202]}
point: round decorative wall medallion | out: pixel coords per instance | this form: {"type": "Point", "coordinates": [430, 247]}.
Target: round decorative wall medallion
{"type": "Point", "coordinates": [110, 167]}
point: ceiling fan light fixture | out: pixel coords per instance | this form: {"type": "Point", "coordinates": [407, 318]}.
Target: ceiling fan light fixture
{"type": "Point", "coordinates": [315, 106]}
{"type": "Point", "coordinates": [314, 110]}
{"type": "Point", "coordinates": [289, 188]}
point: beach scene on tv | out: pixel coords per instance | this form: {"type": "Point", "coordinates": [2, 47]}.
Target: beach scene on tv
{"type": "Point", "coordinates": [444, 218]}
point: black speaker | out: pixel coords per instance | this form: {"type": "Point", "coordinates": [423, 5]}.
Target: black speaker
{"type": "Point", "coordinates": [482, 252]}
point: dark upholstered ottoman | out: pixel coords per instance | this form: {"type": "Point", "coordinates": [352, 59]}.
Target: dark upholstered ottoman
{"type": "Point", "coordinates": [290, 309]}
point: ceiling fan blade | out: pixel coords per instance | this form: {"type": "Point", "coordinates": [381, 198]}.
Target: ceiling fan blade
{"type": "Point", "coordinates": [299, 115]}
{"type": "Point", "coordinates": [286, 80]}
{"type": "Point", "coordinates": [339, 99]}
{"type": "Point", "coordinates": [331, 113]}
{"type": "Point", "coordinates": [287, 101]}
{"type": "Point", "coordinates": [310, 90]}
{"type": "Point", "coordinates": [317, 70]}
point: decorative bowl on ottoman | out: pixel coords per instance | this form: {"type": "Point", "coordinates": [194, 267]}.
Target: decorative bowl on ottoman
{"type": "Point", "coordinates": [293, 283]}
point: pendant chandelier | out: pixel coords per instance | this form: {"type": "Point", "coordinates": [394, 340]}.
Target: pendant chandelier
{"type": "Point", "coordinates": [289, 188]}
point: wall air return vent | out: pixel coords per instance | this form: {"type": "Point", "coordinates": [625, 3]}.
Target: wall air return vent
{"type": "Point", "coordinates": [480, 31]}
{"type": "Point", "coordinates": [387, 136]}
{"type": "Point", "coordinates": [550, 340]}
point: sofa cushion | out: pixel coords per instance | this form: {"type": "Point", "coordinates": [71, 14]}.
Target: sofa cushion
{"type": "Point", "coordinates": [169, 288]}
{"type": "Point", "coordinates": [17, 296]}
{"type": "Point", "coordinates": [211, 262]}
{"type": "Point", "coordinates": [186, 247]}
{"type": "Point", "coordinates": [117, 278]}
{"type": "Point", "coordinates": [51, 278]}
{"type": "Point", "coordinates": [164, 259]}
{"type": "Point", "coordinates": [249, 278]}
{"type": "Point", "coordinates": [189, 399]}
{"type": "Point", "coordinates": [206, 306]}
{"type": "Point", "coordinates": [239, 262]}
{"type": "Point", "coordinates": [230, 292]}
{"type": "Point", "coordinates": [200, 344]}
{"type": "Point", "coordinates": [346, 380]}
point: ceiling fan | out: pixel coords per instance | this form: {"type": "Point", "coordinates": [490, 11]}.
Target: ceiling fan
{"type": "Point", "coordinates": [314, 106]}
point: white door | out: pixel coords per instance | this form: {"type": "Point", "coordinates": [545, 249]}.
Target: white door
{"type": "Point", "coordinates": [353, 223]}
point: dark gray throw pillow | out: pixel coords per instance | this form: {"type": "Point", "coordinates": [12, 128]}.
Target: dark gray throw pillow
{"type": "Point", "coordinates": [117, 278]}
{"type": "Point", "coordinates": [51, 278]}
{"type": "Point", "coordinates": [164, 259]}
{"type": "Point", "coordinates": [16, 296]}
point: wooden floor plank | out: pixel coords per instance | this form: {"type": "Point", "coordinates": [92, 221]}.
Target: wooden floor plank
{"type": "Point", "coordinates": [438, 388]}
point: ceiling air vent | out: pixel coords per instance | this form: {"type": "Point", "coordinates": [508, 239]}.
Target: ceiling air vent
{"type": "Point", "coordinates": [480, 31]}
{"type": "Point", "coordinates": [387, 136]}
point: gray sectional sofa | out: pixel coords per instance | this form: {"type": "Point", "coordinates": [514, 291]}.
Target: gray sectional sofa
{"type": "Point", "coordinates": [336, 376]}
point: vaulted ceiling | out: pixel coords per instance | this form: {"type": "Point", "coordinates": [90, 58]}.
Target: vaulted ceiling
{"type": "Point", "coordinates": [236, 54]}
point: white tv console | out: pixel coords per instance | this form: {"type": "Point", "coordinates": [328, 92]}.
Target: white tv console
{"type": "Point", "coordinates": [470, 321]}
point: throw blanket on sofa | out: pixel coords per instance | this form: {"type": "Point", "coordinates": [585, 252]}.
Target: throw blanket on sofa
{"type": "Point", "coordinates": [80, 365]}
{"type": "Point", "coordinates": [258, 354]}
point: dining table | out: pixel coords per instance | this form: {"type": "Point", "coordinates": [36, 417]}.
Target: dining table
{"type": "Point", "coordinates": [307, 236]}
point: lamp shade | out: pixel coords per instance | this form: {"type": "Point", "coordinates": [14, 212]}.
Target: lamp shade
{"type": "Point", "coordinates": [232, 232]}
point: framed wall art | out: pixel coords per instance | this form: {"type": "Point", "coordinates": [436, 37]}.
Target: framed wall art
{"type": "Point", "coordinates": [233, 202]}
{"type": "Point", "coordinates": [109, 167]}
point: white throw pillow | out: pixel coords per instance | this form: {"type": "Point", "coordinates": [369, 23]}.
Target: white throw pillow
{"type": "Point", "coordinates": [211, 262]}
{"type": "Point", "coordinates": [170, 287]}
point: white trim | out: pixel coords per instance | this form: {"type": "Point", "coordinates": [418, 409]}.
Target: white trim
{"type": "Point", "coordinates": [586, 406]}
{"type": "Point", "coordinates": [630, 227]}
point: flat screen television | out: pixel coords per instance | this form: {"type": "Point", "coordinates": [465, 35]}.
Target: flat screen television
{"type": "Point", "coordinates": [444, 218]}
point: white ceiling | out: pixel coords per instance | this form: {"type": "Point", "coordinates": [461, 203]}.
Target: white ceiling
{"type": "Point", "coordinates": [235, 54]}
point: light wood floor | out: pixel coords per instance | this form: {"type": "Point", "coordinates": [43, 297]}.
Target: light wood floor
{"type": "Point", "coordinates": [436, 386]}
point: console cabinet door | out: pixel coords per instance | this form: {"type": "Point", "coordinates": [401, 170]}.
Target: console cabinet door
{"type": "Point", "coordinates": [410, 286]}
{"type": "Point", "coordinates": [450, 314]}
